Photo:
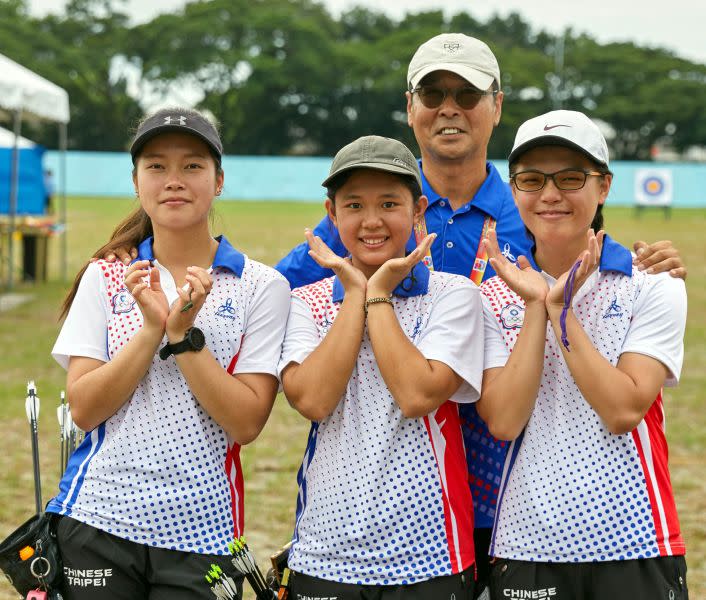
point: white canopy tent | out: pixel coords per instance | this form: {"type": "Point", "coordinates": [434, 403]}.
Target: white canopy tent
{"type": "Point", "coordinates": [7, 140]}
{"type": "Point", "coordinates": [26, 96]}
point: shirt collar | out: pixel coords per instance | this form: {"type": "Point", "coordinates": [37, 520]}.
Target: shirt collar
{"type": "Point", "coordinates": [614, 257]}
{"type": "Point", "coordinates": [415, 284]}
{"type": "Point", "coordinates": [226, 256]}
{"type": "Point", "coordinates": [486, 198]}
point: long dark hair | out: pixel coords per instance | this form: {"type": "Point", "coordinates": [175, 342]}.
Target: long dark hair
{"type": "Point", "coordinates": [128, 234]}
{"type": "Point", "coordinates": [135, 227]}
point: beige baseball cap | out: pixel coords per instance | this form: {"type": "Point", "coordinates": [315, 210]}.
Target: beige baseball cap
{"type": "Point", "coordinates": [466, 56]}
{"type": "Point", "coordinates": [378, 153]}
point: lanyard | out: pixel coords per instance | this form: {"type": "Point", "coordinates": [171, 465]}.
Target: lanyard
{"type": "Point", "coordinates": [420, 232]}
{"type": "Point", "coordinates": [481, 259]}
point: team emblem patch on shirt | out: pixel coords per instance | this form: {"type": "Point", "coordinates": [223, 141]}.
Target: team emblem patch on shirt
{"type": "Point", "coordinates": [226, 310]}
{"type": "Point", "coordinates": [614, 310]}
{"type": "Point", "coordinates": [122, 302]}
{"type": "Point", "coordinates": [512, 316]}
{"type": "Point", "coordinates": [417, 328]}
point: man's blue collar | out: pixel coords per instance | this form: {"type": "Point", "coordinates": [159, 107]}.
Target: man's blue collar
{"type": "Point", "coordinates": [415, 284]}
{"type": "Point", "coordinates": [486, 198]}
{"type": "Point", "coordinates": [614, 257]}
{"type": "Point", "coordinates": [226, 257]}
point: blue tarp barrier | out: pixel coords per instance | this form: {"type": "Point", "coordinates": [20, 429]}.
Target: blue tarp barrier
{"type": "Point", "coordinates": [31, 195]}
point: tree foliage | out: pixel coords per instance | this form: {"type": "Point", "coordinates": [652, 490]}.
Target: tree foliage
{"type": "Point", "coordinates": [286, 77]}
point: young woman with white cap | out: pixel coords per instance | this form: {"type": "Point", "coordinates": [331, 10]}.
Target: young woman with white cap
{"type": "Point", "coordinates": [585, 507]}
{"type": "Point", "coordinates": [171, 368]}
{"type": "Point", "coordinates": [378, 357]}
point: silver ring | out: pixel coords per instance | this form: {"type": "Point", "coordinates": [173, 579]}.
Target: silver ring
{"type": "Point", "coordinates": [38, 575]}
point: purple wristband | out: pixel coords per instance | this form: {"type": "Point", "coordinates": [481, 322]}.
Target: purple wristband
{"type": "Point", "coordinates": [568, 293]}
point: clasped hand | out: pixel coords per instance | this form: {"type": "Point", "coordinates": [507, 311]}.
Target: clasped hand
{"type": "Point", "coordinates": [143, 282]}
{"type": "Point", "coordinates": [530, 285]}
{"type": "Point", "coordinates": [382, 282]}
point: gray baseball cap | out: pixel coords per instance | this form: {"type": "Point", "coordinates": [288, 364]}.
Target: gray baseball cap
{"type": "Point", "coordinates": [466, 56]}
{"type": "Point", "coordinates": [179, 121]}
{"type": "Point", "coordinates": [377, 153]}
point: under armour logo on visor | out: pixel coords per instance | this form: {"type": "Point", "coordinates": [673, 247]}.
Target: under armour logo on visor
{"type": "Point", "coordinates": [452, 48]}
{"type": "Point", "coordinates": [181, 120]}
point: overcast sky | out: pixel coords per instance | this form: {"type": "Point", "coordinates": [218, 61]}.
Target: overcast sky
{"type": "Point", "coordinates": [675, 24]}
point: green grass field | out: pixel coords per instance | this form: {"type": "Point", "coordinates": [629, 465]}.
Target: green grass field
{"type": "Point", "coordinates": [265, 231]}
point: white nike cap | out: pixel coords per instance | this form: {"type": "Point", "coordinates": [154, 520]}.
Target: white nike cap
{"type": "Point", "coordinates": [568, 128]}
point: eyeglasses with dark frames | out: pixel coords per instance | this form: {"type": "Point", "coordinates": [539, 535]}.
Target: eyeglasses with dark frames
{"type": "Point", "coordinates": [532, 180]}
{"type": "Point", "coordinates": [466, 97]}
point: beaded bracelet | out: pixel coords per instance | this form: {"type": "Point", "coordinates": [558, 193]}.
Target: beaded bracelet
{"type": "Point", "coordinates": [376, 300]}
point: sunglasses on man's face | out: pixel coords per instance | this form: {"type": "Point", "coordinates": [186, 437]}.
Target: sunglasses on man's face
{"type": "Point", "coordinates": [466, 97]}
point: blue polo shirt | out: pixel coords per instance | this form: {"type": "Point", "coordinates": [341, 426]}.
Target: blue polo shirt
{"type": "Point", "coordinates": [453, 251]}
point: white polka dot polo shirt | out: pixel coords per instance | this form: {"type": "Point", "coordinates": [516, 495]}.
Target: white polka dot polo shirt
{"type": "Point", "coordinates": [384, 499]}
{"type": "Point", "coordinates": [161, 471]}
{"type": "Point", "coordinates": [572, 491]}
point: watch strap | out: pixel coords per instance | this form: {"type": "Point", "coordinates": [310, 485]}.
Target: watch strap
{"type": "Point", "coordinates": [184, 345]}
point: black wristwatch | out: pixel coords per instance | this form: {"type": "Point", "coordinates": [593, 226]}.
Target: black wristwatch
{"type": "Point", "coordinates": [194, 341]}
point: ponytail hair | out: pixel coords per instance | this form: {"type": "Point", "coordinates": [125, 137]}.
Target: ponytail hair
{"type": "Point", "coordinates": [128, 234]}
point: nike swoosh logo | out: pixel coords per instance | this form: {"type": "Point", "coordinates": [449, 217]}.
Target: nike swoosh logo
{"type": "Point", "coordinates": [548, 127]}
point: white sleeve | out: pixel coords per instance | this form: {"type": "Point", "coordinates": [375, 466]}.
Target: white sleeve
{"type": "Point", "coordinates": [301, 337]}
{"type": "Point", "coordinates": [264, 329]}
{"type": "Point", "coordinates": [85, 330]}
{"type": "Point", "coordinates": [454, 335]}
{"type": "Point", "coordinates": [496, 352]}
{"type": "Point", "coordinates": [658, 323]}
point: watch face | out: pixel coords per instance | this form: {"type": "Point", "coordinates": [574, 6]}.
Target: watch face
{"type": "Point", "coordinates": [196, 338]}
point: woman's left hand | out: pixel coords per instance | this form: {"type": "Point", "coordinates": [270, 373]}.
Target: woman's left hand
{"type": "Point", "coordinates": [182, 313]}
{"type": "Point", "coordinates": [590, 259]}
{"type": "Point", "coordinates": [394, 270]}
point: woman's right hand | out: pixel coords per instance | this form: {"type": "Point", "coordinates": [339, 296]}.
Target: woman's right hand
{"type": "Point", "coordinates": [148, 294]}
{"type": "Point", "coordinates": [521, 278]}
{"type": "Point", "coordinates": [351, 278]}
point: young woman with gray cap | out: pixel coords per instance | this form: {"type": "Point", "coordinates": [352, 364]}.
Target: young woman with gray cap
{"type": "Point", "coordinates": [585, 507]}
{"type": "Point", "coordinates": [379, 356]}
{"type": "Point", "coordinates": [171, 368]}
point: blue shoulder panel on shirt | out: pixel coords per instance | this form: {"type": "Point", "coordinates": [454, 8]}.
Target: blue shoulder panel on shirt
{"type": "Point", "coordinates": [615, 257]}
{"type": "Point", "coordinates": [226, 256]}
{"type": "Point", "coordinates": [144, 250]}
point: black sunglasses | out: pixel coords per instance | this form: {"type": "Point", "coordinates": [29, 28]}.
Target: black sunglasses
{"type": "Point", "coordinates": [466, 97]}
